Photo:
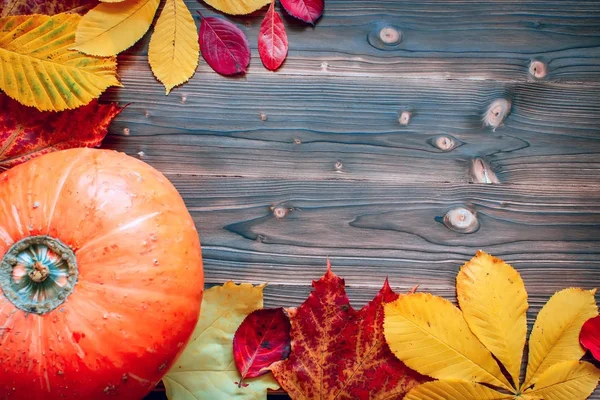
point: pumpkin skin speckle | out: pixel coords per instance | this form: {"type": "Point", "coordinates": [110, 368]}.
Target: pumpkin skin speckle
{"type": "Point", "coordinates": [122, 326]}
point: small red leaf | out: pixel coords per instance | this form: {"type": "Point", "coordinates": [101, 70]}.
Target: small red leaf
{"type": "Point", "coordinates": [26, 133]}
{"type": "Point", "coordinates": [589, 337]}
{"type": "Point", "coordinates": [224, 46]}
{"type": "Point", "coordinates": [272, 40]}
{"type": "Point", "coordinates": [262, 339]}
{"type": "Point", "coordinates": [306, 10]}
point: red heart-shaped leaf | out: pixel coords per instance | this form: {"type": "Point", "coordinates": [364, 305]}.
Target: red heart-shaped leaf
{"type": "Point", "coordinates": [224, 46]}
{"type": "Point", "coordinates": [272, 40]}
{"type": "Point", "coordinates": [589, 337]}
{"type": "Point", "coordinates": [306, 10]}
{"type": "Point", "coordinates": [262, 339]}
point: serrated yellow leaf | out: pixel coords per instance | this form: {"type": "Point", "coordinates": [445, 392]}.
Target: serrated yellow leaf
{"type": "Point", "coordinates": [174, 50]}
{"type": "Point", "coordinates": [38, 69]}
{"type": "Point", "coordinates": [237, 7]}
{"type": "Point", "coordinates": [555, 334]}
{"type": "Point", "coordinates": [493, 299]}
{"type": "Point", "coordinates": [206, 369]}
{"type": "Point", "coordinates": [110, 28]}
{"type": "Point", "coordinates": [569, 380]}
{"type": "Point", "coordinates": [431, 336]}
{"type": "Point", "coordinates": [455, 390]}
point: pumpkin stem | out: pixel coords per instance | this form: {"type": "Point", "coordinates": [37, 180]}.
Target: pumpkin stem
{"type": "Point", "coordinates": [38, 273]}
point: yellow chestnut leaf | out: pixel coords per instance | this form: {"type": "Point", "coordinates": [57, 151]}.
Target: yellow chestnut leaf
{"type": "Point", "coordinates": [110, 28]}
{"type": "Point", "coordinates": [555, 334]}
{"type": "Point", "coordinates": [206, 369]}
{"type": "Point", "coordinates": [174, 50]}
{"type": "Point", "coordinates": [455, 390]}
{"type": "Point", "coordinates": [431, 336]}
{"type": "Point", "coordinates": [39, 71]}
{"type": "Point", "coordinates": [569, 380]}
{"type": "Point", "coordinates": [237, 7]}
{"type": "Point", "coordinates": [493, 299]}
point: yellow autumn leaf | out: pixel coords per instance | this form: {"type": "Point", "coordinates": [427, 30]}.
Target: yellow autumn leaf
{"type": "Point", "coordinates": [569, 380]}
{"type": "Point", "coordinates": [431, 336]}
{"type": "Point", "coordinates": [38, 70]}
{"type": "Point", "coordinates": [555, 334]}
{"type": "Point", "coordinates": [493, 299]}
{"type": "Point", "coordinates": [110, 28]}
{"type": "Point", "coordinates": [237, 7]}
{"type": "Point", "coordinates": [174, 50]}
{"type": "Point", "coordinates": [206, 369]}
{"type": "Point", "coordinates": [455, 390]}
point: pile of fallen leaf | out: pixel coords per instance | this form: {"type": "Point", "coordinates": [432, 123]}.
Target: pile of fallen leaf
{"type": "Point", "coordinates": [54, 59]}
{"type": "Point", "coordinates": [414, 346]}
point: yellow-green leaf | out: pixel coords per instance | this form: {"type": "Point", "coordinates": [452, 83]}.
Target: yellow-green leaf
{"type": "Point", "coordinates": [110, 28]}
{"type": "Point", "coordinates": [455, 390]}
{"type": "Point", "coordinates": [569, 380]}
{"type": "Point", "coordinates": [431, 336]}
{"type": "Point", "coordinates": [174, 50]}
{"type": "Point", "coordinates": [237, 7]}
{"type": "Point", "coordinates": [555, 334]}
{"type": "Point", "coordinates": [38, 70]}
{"type": "Point", "coordinates": [493, 299]}
{"type": "Point", "coordinates": [206, 369]}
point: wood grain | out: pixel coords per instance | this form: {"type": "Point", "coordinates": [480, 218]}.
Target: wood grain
{"type": "Point", "coordinates": [551, 135]}
{"type": "Point", "coordinates": [371, 230]}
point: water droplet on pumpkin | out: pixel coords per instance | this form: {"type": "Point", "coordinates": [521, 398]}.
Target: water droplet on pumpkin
{"type": "Point", "coordinates": [105, 316]}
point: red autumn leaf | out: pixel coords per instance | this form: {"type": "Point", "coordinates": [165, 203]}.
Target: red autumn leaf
{"type": "Point", "coordinates": [262, 339]}
{"type": "Point", "coordinates": [26, 133]}
{"type": "Point", "coordinates": [47, 7]}
{"type": "Point", "coordinates": [589, 337]}
{"type": "Point", "coordinates": [224, 46]}
{"type": "Point", "coordinates": [306, 10]}
{"type": "Point", "coordinates": [340, 353]}
{"type": "Point", "coordinates": [272, 40]}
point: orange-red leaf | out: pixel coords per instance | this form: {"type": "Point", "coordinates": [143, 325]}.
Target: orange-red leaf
{"type": "Point", "coordinates": [26, 133]}
{"type": "Point", "coordinates": [48, 7]}
{"type": "Point", "coordinates": [340, 353]}
{"type": "Point", "coordinates": [262, 339]}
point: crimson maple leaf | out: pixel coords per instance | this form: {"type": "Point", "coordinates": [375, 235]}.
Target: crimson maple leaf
{"type": "Point", "coordinates": [340, 353]}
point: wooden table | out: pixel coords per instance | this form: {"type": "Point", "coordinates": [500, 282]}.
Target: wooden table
{"type": "Point", "coordinates": [281, 170]}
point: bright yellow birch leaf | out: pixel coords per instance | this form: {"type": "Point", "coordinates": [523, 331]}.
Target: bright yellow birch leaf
{"type": "Point", "coordinates": [38, 70]}
{"type": "Point", "coordinates": [569, 380]}
{"type": "Point", "coordinates": [431, 336]}
{"type": "Point", "coordinates": [110, 28]}
{"type": "Point", "coordinates": [555, 334]}
{"type": "Point", "coordinates": [206, 369]}
{"type": "Point", "coordinates": [174, 50]}
{"type": "Point", "coordinates": [493, 299]}
{"type": "Point", "coordinates": [455, 390]}
{"type": "Point", "coordinates": [237, 7]}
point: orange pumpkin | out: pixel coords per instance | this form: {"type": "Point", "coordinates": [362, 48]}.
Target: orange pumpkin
{"type": "Point", "coordinates": [100, 277]}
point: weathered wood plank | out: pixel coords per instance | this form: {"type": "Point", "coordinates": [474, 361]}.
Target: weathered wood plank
{"type": "Point", "coordinates": [336, 128]}
{"type": "Point", "coordinates": [282, 231]}
{"type": "Point", "coordinates": [440, 39]}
